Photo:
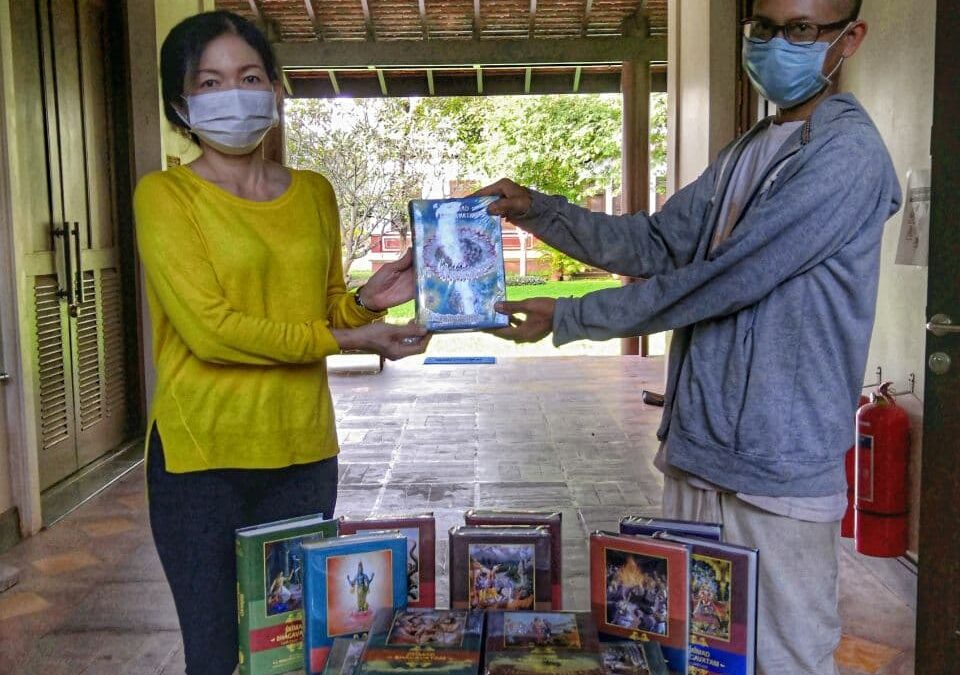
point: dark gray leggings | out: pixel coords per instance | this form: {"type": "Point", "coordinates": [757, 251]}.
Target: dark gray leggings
{"type": "Point", "coordinates": [193, 517]}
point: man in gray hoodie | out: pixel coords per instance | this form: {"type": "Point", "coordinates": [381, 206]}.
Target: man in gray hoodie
{"type": "Point", "coordinates": [766, 268]}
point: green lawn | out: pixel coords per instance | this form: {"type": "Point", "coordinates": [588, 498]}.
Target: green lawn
{"type": "Point", "coordinates": [551, 289]}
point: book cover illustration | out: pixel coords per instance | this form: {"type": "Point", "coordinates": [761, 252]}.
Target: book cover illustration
{"type": "Point", "coordinates": [270, 572]}
{"type": "Point", "coordinates": [431, 640]}
{"type": "Point", "coordinates": [723, 607]}
{"type": "Point", "coordinates": [344, 658]}
{"type": "Point", "coordinates": [565, 643]}
{"type": "Point", "coordinates": [681, 528]}
{"type": "Point", "coordinates": [500, 568]}
{"type": "Point", "coordinates": [633, 658]}
{"type": "Point", "coordinates": [420, 531]}
{"type": "Point", "coordinates": [458, 257]}
{"type": "Point", "coordinates": [551, 520]}
{"type": "Point", "coordinates": [348, 579]}
{"type": "Point", "coordinates": [640, 590]}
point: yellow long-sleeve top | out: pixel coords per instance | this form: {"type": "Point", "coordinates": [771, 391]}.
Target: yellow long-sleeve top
{"type": "Point", "coordinates": [242, 295]}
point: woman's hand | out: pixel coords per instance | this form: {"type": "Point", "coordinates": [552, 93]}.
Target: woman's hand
{"type": "Point", "coordinates": [515, 200]}
{"type": "Point", "coordinates": [537, 321]}
{"type": "Point", "coordinates": [391, 285]}
{"type": "Point", "coordinates": [389, 340]}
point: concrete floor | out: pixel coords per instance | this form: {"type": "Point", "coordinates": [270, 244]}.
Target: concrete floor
{"type": "Point", "coordinates": [550, 433]}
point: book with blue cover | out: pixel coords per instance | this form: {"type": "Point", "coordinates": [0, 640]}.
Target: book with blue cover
{"type": "Point", "coordinates": [458, 258]}
{"type": "Point", "coordinates": [681, 528]}
{"type": "Point", "coordinates": [270, 592]}
{"type": "Point", "coordinates": [723, 607]}
{"type": "Point", "coordinates": [421, 533]}
{"type": "Point", "coordinates": [347, 580]}
{"type": "Point", "coordinates": [424, 641]}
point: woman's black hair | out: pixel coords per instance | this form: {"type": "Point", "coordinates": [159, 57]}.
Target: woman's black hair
{"type": "Point", "coordinates": [182, 49]}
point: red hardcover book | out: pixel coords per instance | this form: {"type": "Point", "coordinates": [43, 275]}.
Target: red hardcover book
{"type": "Point", "coordinates": [640, 590]}
{"type": "Point", "coordinates": [551, 520]}
{"type": "Point", "coordinates": [421, 533]}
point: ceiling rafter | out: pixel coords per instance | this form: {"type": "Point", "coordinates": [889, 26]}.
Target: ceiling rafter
{"type": "Point", "coordinates": [368, 20]}
{"type": "Point", "coordinates": [424, 24]}
{"type": "Point", "coordinates": [314, 19]}
{"type": "Point", "coordinates": [587, 9]}
{"type": "Point", "coordinates": [477, 25]}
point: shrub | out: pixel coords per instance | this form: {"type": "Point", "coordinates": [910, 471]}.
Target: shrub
{"type": "Point", "coordinates": [525, 281]}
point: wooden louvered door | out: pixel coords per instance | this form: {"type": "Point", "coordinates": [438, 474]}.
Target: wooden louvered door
{"type": "Point", "coordinates": [79, 355]}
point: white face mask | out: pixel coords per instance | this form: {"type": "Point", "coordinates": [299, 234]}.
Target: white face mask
{"type": "Point", "coordinates": [232, 121]}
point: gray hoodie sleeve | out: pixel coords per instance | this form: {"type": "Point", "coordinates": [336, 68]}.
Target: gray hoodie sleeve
{"type": "Point", "coordinates": [636, 245]}
{"type": "Point", "coordinates": [802, 222]}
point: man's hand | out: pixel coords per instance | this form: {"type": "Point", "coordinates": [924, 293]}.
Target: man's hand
{"type": "Point", "coordinates": [390, 340]}
{"type": "Point", "coordinates": [536, 322]}
{"type": "Point", "coordinates": [515, 200]}
{"type": "Point", "coordinates": [391, 285]}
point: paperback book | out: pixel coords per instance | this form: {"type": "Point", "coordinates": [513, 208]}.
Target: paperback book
{"type": "Point", "coordinates": [723, 607]}
{"type": "Point", "coordinates": [681, 528]}
{"type": "Point", "coordinates": [626, 657]}
{"type": "Point", "coordinates": [270, 573]}
{"type": "Point", "coordinates": [500, 568]}
{"type": "Point", "coordinates": [424, 640]}
{"type": "Point", "coordinates": [348, 579]}
{"type": "Point", "coordinates": [551, 520]}
{"type": "Point", "coordinates": [458, 258]}
{"type": "Point", "coordinates": [640, 590]}
{"type": "Point", "coordinates": [529, 643]}
{"type": "Point", "coordinates": [421, 533]}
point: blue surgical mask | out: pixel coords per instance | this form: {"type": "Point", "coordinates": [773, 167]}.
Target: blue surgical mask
{"type": "Point", "coordinates": [785, 73]}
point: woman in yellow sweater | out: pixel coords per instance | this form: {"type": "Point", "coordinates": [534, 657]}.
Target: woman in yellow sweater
{"type": "Point", "coordinates": [246, 292]}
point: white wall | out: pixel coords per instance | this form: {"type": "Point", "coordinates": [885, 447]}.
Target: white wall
{"type": "Point", "coordinates": [701, 85]}
{"type": "Point", "coordinates": [892, 75]}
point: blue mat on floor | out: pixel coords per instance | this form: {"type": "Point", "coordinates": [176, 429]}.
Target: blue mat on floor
{"type": "Point", "coordinates": [458, 360]}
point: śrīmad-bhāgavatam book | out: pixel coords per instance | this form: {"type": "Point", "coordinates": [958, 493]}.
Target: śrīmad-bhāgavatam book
{"type": "Point", "coordinates": [348, 579]}
{"type": "Point", "coordinates": [458, 259]}
{"type": "Point", "coordinates": [270, 592]}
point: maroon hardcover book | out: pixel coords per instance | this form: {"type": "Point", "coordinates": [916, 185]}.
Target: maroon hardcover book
{"type": "Point", "coordinates": [421, 533]}
{"type": "Point", "coordinates": [552, 520]}
{"type": "Point", "coordinates": [500, 568]}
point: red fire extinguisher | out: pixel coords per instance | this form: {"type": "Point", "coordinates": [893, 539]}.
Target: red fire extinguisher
{"type": "Point", "coordinates": [846, 525]}
{"type": "Point", "coordinates": [882, 457]}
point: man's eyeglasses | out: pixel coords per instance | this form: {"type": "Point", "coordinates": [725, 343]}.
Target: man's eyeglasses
{"type": "Point", "coordinates": [795, 32]}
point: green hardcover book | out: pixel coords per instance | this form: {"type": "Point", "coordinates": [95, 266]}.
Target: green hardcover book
{"type": "Point", "coordinates": [270, 592]}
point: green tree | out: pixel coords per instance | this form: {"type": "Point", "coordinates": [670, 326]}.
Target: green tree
{"type": "Point", "coordinates": [375, 156]}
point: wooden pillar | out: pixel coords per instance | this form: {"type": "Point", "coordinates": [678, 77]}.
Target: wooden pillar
{"type": "Point", "coordinates": [635, 189]}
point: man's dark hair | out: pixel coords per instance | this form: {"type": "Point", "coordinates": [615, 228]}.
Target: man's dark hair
{"type": "Point", "coordinates": [182, 49]}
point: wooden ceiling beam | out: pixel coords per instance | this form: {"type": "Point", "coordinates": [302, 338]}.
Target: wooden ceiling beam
{"type": "Point", "coordinates": [368, 20]}
{"type": "Point", "coordinates": [424, 24]}
{"type": "Point", "coordinates": [314, 19]}
{"type": "Point", "coordinates": [477, 26]}
{"type": "Point", "coordinates": [585, 25]}
{"type": "Point", "coordinates": [436, 53]}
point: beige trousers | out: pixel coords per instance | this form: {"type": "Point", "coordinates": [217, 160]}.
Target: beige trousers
{"type": "Point", "coordinates": [798, 620]}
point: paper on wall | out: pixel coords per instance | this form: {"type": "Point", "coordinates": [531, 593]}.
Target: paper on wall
{"type": "Point", "coordinates": [915, 227]}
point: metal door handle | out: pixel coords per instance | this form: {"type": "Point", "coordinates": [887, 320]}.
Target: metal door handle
{"type": "Point", "coordinates": [64, 234]}
{"type": "Point", "coordinates": [941, 325]}
{"type": "Point", "coordinates": [76, 247]}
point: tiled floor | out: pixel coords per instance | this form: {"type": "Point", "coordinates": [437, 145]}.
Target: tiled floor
{"type": "Point", "coordinates": [561, 433]}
